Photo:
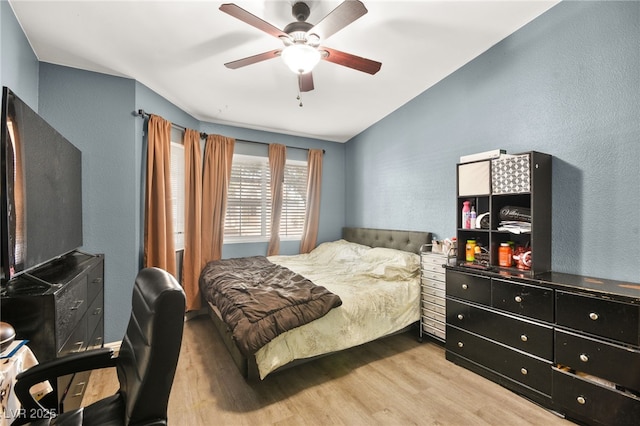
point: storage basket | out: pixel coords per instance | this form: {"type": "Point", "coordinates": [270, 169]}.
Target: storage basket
{"type": "Point", "coordinates": [511, 174]}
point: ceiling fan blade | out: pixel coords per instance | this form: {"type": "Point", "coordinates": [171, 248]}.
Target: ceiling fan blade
{"type": "Point", "coordinates": [244, 16]}
{"type": "Point", "coordinates": [351, 61]}
{"type": "Point", "coordinates": [253, 59]}
{"type": "Point", "coordinates": [305, 82]}
{"type": "Point", "coordinates": [338, 18]}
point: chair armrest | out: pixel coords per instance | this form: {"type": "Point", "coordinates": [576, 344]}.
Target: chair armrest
{"type": "Point", "coordinates": [50, 370]}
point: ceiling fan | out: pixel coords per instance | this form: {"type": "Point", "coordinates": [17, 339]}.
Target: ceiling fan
{"type": "Point", "coordinates": [301, 39]}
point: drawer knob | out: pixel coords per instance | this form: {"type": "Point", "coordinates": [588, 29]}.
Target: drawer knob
{"type": "Point", "coordinates": [518, 299]}
{"type": "Point", "coordinates": [593, 316]}
{"type": "Point", "coordinates": [460, 344]}
{"type": "Point", "coordinates": [581, 400]}
{"type": "Point", "coordinates": [76, 305]}
{"type": "Point", "coordinates": [464, 286]}
{"type": "Point", "coordinates": [584, 357]}
{"type": "Point", "coordinates": [524, 337]}
{"type": "Point", "coordinates": [460, 317]}
{"type": "Point", "coordinates": [80, 389]}
{"type": "Point", "coordinates": [524, 371]}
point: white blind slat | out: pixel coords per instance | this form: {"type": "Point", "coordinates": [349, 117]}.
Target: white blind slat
{"type": "Point", "coordinates": [177, 193]}
{"type": "Point", "coordinates": [249, 198]}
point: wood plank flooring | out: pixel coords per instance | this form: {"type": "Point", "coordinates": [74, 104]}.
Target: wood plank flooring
{"type": "Point", "coordinates": [393, 381]}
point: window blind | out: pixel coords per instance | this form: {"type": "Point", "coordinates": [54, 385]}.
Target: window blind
{"type": "Point", "coordinates": [177, 193]}
{"type": "Point", "coordinates": [249, 199]}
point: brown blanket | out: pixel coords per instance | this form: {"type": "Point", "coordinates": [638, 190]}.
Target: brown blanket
{"type": "Point", "coordinates": [259, 300]}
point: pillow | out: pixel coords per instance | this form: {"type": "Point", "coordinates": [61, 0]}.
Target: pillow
{"type": "Point", "coordinates": [339, 250]}
{"type": "Point", "coordinates": [391, 264]}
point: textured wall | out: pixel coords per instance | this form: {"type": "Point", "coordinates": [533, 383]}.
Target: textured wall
{"type": "Point", "coordinates": [566, 84]}
{"type": "Point", "coordinates": [18, 63]}
{"type": "Point", "coordinates": [93, 111]}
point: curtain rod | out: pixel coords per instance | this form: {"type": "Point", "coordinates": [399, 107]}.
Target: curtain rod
{"type": "Point", "coordinates": [142, 113]}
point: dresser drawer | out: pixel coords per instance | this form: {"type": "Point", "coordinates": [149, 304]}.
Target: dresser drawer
{"type": "Point", "coordinates": [434, 328]}
{"type": "Point", "coordinates": [436, 275]}
{"type": "Point", "coordinates": [428, 312]}
{"type": "Point", "coordinates": [439, 308]}
{"type": "Point", "coordinates": [610, 319]}
{"type": "Point", "coordinates": [433, 259]}
{"type": "Point", "coordinates": [432, 291]}
{"type": "Point", "coordinates": [611, 362]}
{"type": "Point", "coordinates": [96, 340]}
{"type": "Point", "coordinates": [76, 342]}
{"type": "Point", "coordinates": [594, 403]}
{"type": "Point", "coordinates": [94, 281]}
{"type": "Point", "coordinates": [436, 300]}
{"type": "Point", "coordinates": [474, 288]}
{"type": "Point", "coordinates": [94, 313]}
{"type": "Point", "coordinates": [515, 365]}
{"type": "Point", "coordinates": [533, 338]}
{"type": "Point", "coordinates": [71, 305]}
{"type": "Point", "coordinates": [526, 300]}
{"type": "Point", "coordinates": [73, 397]}
{"type": "Point", "coordinates": [433, 323]}
{"type": "Point", "coordinates": [434, 283]}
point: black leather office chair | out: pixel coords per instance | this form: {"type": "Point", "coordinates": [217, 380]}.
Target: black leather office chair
{"type": "Point", "coordinates": [145, 365]}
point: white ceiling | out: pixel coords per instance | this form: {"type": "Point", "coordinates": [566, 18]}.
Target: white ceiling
{"type": "Point", "coordinates": [178, 48]}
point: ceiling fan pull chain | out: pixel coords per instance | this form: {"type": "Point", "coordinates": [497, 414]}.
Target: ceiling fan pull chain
{"type": "Point", "coordinates": [299, 98]}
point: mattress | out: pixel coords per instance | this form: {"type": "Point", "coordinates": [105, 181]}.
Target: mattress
{"type": "Point", "coordinates": [380, 293]}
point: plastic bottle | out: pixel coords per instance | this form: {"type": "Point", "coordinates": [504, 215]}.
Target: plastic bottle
{"type": "Point", "coordinates": [472, 217]}
{"type": "Point", "coordinates": [470, 250]}
{"type": "Point", "coordinates": [504, 255]}
{"type": "Point", "coordinates": [466, 215]}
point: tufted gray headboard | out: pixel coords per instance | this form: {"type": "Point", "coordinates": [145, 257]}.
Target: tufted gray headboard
{"type": "Point", "coordinates": [400, 240]}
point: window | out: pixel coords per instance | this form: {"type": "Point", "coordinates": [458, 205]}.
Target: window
{"type": "Point", "coordinates": [294, 202]}
{"type": "Point", "coordinates": [177, 191]}
{"type": "Point", "coordinates": [249, 200]}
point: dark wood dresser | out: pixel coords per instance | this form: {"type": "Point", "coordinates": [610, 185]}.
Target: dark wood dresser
{"type": "Point", "coordinates": [568, 342]}
{"type": "Point", "coordinates": [59, 308]}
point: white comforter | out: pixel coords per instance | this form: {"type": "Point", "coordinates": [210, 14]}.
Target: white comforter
{"type": "Point", "coordinates": [380, 294]}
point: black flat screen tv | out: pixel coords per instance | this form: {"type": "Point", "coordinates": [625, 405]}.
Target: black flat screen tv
{"type": "Point", "coordinates": [41, 202]}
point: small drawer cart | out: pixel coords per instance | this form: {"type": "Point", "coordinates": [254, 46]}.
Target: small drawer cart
{"type": "Point", "coordinates": [433, 313]}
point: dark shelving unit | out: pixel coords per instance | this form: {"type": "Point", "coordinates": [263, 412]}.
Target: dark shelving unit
{"type": "Point", "coordinates": [530, 188]}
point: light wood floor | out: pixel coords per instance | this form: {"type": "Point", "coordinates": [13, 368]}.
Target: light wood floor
{"type": "Point", "coordinates": [393, 381]}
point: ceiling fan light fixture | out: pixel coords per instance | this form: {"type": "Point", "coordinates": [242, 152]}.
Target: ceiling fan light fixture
{"type": "Point", "coordinates": [300, 58]}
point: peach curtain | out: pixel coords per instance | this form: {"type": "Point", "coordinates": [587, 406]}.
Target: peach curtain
{"type": "Point", "coordinates": [314, 186]}
{"type": "Point", "coordinates": [277, 160]}
{"type": "Point", "coordinates": [192, 260]}
{"type": "Point", "coordinates": [159, 248]}
{"type": "Point", "coordinates": [218, 156]}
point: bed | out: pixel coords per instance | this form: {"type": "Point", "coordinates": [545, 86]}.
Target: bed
{"type": "Point", "coordinates": [371, 278]}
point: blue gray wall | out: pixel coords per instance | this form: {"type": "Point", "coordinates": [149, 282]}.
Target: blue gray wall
{"type": "Point", "coordinates": [94, 112]}
{"type": "Point", "coordinates": [18, 63]}
{"type": "Point", "coordinates": [567, 84]}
